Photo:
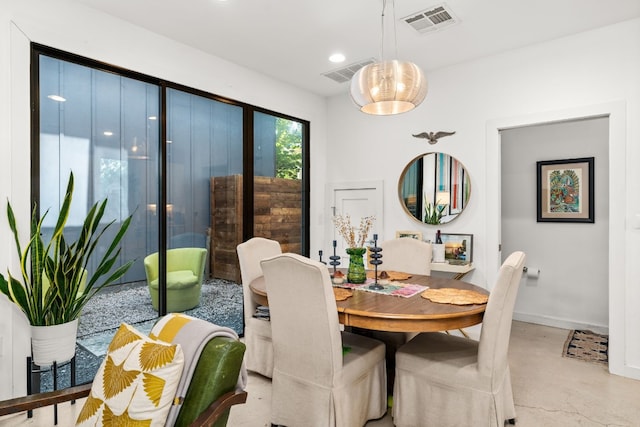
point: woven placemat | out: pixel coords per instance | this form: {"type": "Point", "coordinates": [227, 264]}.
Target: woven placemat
{"type": "Point", "coordinates": [342, 294]}
{"type": "Point", "coordinates": [390, 275]}
{"type": "Point", "coordinates": [454, 296]}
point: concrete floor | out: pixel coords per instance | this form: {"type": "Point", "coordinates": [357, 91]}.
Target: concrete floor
{"type": "Point", "coordinates": [549, 390]}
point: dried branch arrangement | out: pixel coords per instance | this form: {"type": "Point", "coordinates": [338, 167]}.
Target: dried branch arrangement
{"type": "Point", "coordinates": [347, 231]}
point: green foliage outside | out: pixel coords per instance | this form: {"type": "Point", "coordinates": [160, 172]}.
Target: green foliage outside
{"type": "Point", "coordinates": [288, 149]}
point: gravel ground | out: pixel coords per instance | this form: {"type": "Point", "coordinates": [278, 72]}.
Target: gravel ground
{"type": "Point", "coordinates": [220, 303]}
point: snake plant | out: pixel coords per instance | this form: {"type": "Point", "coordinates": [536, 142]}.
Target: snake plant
{"type": "Point", "coordinates": [64, 264]}
{"type": "Point", "coordinates": [432, 213]}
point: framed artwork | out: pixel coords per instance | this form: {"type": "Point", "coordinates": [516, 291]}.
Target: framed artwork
{"type": "Point", "coordinates": [458, 248]}
{"type": "Point", "coordinates": [409, 233]}
{"type": "Point", "coordinates": [565, 190]}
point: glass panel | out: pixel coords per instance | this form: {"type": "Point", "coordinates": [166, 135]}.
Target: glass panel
{"type": "Point", "coordinates": [204, 152]}
{"type": "Point", "coordinates": [278, 181]}
{"type": "Point", "coordinates": [102, 127]}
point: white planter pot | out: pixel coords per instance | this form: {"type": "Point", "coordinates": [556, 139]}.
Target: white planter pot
{"type": "Point", "coordinates": [55, 343]}
{"type": "Point", "coordinates": [437, 251]}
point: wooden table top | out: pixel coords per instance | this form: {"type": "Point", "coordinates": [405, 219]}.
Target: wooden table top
{"type": "Point", "coordinates": [374, 311]}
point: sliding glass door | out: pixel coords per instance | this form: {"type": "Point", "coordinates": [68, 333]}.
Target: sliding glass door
{"type": "Point", "coordinates": [204, 141]}
{"type": "Point", "coordinates": [191, 168]}
{"type": "Point", "coordinates": [104, 128]}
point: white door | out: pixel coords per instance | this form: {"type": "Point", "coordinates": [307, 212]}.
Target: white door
{"type": "Point", "coordinates": [358, 200]}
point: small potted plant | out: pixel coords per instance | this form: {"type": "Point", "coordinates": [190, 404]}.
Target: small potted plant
{"type": "Point", "coordinates": [55, 287]}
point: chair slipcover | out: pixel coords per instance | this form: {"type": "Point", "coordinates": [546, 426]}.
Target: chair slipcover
{"type": "Point", "coordinates": [321, 377]}
{"type": "Point", "coordinates": [257, 332]}
{"type": "Point", "coordinates": [407, 255]}
{"type": "Point", "coordinates": [185, 271]}
{"type": "Point", "coordinates": [445, 380]}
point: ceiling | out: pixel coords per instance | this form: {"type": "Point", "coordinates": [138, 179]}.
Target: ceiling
{"type": "Point", "coordinates": [291, 40]}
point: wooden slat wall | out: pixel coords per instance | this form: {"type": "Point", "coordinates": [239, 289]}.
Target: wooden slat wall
{"type": "Point", "coordinates": [277, 216]}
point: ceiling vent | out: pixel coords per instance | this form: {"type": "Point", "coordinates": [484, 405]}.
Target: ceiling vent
{"type": "Point", "coordinates": [432, 19]}
{"type": "Point", "coordinates": [344, 74]}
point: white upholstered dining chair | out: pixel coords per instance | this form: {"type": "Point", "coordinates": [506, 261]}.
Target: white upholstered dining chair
{"type": "Point", "coordinates": [444, 380]}
{"type": "Point", "coordinates": [257, 332]}
{"type": "Point", "coordinates": [406, 255]}
{"type": "Point", "coordinates": [322, 377]}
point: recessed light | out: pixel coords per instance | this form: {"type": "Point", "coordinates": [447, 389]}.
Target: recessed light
{"type": "Point", "coordinates": [153, 118]}
{"type": "Point", "coordinates": [337, 57]}
{"type": "Point", "coordinates": [107, 133]}
{"type": "Point", "coordinates": [56, 98]}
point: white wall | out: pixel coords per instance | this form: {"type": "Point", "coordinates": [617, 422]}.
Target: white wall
{"type": "Point", "coordinates": [556, 80]}
{"type": "Point", "coordinates": [572, 290]}
{"type": "Point", "coordinates": [593, 73]}
{"type": "Point", "coordinates": [68, 26]}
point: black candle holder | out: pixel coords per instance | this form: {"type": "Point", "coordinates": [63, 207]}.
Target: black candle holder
{"type": "Point", "coordinates": [335, 259]}
{"type": "Point", "coordinates": [375, 261]}
{"type": "Point", "coordinates": [320, 255]}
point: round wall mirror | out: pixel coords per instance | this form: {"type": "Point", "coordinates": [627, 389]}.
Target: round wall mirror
{"type": "Point", "coordinates": [434, 188]}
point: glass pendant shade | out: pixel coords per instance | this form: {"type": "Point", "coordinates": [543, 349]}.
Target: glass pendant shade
{"type": "Point", "coordinates": [388, 87]}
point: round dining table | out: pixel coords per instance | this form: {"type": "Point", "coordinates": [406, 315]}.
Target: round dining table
{"type": "Point", "coordinates": [375, 311]}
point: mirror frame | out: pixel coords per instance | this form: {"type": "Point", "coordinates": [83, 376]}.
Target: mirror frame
{"type": "Point", "coordinates": [465, 179]}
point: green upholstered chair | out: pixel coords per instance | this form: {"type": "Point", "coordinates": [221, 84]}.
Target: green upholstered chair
{"type": "Point", "coordinates": [185, 271]}
{"type": "Point", "coordinates": [212, 391]}
{"type": "Point", "coordinates": [215, 375]}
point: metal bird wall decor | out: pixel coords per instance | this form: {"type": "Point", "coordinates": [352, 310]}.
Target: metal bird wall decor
{"type": "Point", "coordinates": [432, 137]}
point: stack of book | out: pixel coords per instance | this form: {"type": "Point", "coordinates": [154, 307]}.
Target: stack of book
{"type": "Point", "coordinates": [262, 312]}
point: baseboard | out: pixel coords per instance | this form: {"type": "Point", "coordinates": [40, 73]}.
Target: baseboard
{"type": "Point", "coordinates": [557, 322]}
{"type": "Point", "coordinates": [627, 371]}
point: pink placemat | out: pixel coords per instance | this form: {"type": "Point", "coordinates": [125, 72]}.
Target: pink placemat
{"type": "Point", "coordinates": [405, 290]}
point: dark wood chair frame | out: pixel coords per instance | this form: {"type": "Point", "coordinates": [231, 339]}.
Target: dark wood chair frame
{"type": "Point", "coordinates": [40, 400]}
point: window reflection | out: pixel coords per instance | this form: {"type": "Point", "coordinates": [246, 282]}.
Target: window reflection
{"type": "Point", "coordinates": [101, 131]}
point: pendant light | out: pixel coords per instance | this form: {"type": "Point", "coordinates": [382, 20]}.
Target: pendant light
{"type": "Point", "coordinates": [389, 86]}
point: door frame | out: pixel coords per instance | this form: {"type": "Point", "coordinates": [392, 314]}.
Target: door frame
{"type": "Point", "coordinates": [619, 304]}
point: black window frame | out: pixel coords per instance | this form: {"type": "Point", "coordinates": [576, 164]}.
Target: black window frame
{"type": "Point", "coordinates": [248, 147]}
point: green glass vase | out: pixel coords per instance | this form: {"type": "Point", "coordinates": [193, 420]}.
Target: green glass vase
{"type": "Point", "coordinates": [356, 272]}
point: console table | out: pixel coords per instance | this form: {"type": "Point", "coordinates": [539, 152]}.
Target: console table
{"type": "Point", "coordinates": [459, 271]}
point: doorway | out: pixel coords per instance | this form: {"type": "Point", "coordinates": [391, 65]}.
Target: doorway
{"type": "Point", "coordinates": [621, 311]}
{"type": "Point", "coordinates": [571, 289]}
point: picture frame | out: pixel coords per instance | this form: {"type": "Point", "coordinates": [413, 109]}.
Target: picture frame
{"type": "Point", "coordinates": [565, 190]}
{"type": "Point", "coordinates": [409, 233]}
{"type": "Point", "coordinates": [458, 248]}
